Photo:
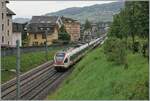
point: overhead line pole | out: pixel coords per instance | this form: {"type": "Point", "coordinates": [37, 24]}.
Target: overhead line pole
{"type": "Point", "coordinates": [46, 47]}
{"type": "Point", "coordinates": [18, 70]}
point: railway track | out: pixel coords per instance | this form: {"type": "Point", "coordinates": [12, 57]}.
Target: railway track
{"type": "Point", "coordinates": [35, 84]}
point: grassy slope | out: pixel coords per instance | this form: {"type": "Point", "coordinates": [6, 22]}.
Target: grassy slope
{"type": "Point", "coordinates": [28, 61]}
{"type": "Point", "coordinates": [96, 78]}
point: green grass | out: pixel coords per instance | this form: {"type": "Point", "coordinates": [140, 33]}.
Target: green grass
{"type": "Point", "coordinates": [28, 61]}
{"type": "Point", "coordinates": [96, 78]}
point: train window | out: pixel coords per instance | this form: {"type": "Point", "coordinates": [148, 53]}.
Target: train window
{"type": "Point", "coordinates": [66, 60]}
{"type": "Point", "coordinates": [60, 56]}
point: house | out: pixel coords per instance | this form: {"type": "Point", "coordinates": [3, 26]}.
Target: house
{"type": "Point", "coordinates": [103, 27]}
{"type": "Point", "coordinates": [18, 29]}
{"type": "Point", "coordinates": [72, 27]}
{"type": "Point", "coordinates": [89, 34]}
{"type": "Point", "coordinates": [38, 25]}
{"type": "Point", "coordinates": [94, 30]}
{"type": "Point", "coordinates": [6, 24]}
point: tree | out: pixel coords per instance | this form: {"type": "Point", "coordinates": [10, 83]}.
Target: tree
{"type": "Point", "coordinates": [142, 13]}
{"type": "Point", "coordinates": [133, 20]}
{"type": "Point", "coordinates": [138, 17]}
{"type": "Point", "coordinates": [87, 25]}
{"type": "Point", "coordinates": [114, 48]}
{"type": "Point", "coordinates": [63, 35]}
{"type": "Point", "coordinates": [115, 27]}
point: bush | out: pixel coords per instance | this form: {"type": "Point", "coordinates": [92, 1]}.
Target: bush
{"type": "Point", "coordinates": [136, 46]}
{"type": "Point", "coordinates": [129, 45]}
{"type": "Point", "coordinates": [64, 37]}
{"type": "Point", "coordinates": [115, 50]}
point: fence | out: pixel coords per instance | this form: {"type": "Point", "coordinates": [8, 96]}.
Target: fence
{"type": "Point", "coordinates": [13, 51]}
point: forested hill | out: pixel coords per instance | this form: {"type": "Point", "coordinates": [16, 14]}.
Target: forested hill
{"type": "Point", "coordinates": [94, 13]}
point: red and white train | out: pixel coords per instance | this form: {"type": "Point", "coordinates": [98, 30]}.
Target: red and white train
{"type": "Point", "coordinates": [64, 59]}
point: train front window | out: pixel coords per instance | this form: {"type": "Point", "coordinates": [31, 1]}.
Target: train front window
{"type": "Point", "coordinates": [66, 60]}
{"type": "Point", "coordinates": [60, 56]}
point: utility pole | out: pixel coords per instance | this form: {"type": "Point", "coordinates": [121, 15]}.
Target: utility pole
{"type": "Point", "coordinates": [46, 30]}
{"type": "Point", "coordinates": [18, 69]}
{"type": "Point", "coordinates": [46, 48]}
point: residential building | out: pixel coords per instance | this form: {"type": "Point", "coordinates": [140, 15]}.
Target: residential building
{"type": "Point", "coordinates": [17, 33]}
{"type": "Point", "coordinates": [94, 30]}
{"type": "Point", "coordinates": [72, 27]}
{"type": "Point", "coordinates": [89, 34]}
{"type": "Point", "coordinates": [103, 27]}
{"type": "Point", "coordinates": [6, 24]}
{"type": "Point", "coordinates": [36, 29]}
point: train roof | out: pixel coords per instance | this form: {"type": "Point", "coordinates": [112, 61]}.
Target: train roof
{"type": "Point", "coordinates": [66, 50]}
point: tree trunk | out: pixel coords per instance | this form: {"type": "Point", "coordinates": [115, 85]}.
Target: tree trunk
{"type": "Point", "coordinates": [133, 41]}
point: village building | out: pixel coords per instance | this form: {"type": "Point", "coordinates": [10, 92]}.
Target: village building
{"type": "Point", "coordinates": [72, 27]}
{"type": "Point", "coordinates": [38, 25]}
{"type": "Point", "coordinates": [94, 30]}
{"type": "Point", "coordinates": [103, 27]}
{"type": "Point", "coordinates": [6, 24]}
{"type": "Point", "coordinates": [18, 30]}
{"type": "Point", "coordinates": [89, 34]}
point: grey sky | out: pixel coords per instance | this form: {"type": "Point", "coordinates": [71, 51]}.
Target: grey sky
{"type": "Point", "coordinates": [30, 8]}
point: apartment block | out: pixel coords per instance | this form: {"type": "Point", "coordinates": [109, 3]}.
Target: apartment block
{"type": "Point", "coordinates": [6, 24]}
{"type": "Point", "coordinates": [72, 27]}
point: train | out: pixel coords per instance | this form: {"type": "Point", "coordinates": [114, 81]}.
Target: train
{"type": "Point", "coordinates": [63, 60]}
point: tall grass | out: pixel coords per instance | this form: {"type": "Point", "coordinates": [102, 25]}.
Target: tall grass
{"type": "Point", "coordinates": [96, 78]}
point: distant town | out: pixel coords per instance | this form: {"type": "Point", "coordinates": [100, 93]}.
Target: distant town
{"type": "Point", "coordinates": [30, 33]}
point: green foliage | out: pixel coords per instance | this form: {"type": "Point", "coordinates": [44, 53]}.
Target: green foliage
{"type": "Point", "coordinates": [115, 50]}
{"type": "Point", "coordinates": [115, 28]}
{"type": "Point", "coordinates": [136, 46]}
{"type": "Point", "coordinates": [87, 25]}
{"type": "Point", "coordinates": [26, 41]}
{"type": "Point", "coordinates": [95, 78]}
{"type": "Point", "coordinates": [63, 35]}
{"type": "Point", "coordinates": [62, 29]}
{"type": "Point", "coordinates": [133, 20]}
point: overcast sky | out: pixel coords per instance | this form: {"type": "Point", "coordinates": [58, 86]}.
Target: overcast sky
{"type": "Point", "coordinates": [27, 9]}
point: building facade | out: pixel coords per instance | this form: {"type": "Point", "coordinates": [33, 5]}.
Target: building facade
{"type": "Point", "coordinates": [103, 27]}
{"type": "Point", "coordinates": [6, 24]}
{"type": "Point", "coordinates": [38, 25]}
{"type": "Point", "coordinates": [17, 33]}
{"type": "Point", "coordinates": [72, 27]}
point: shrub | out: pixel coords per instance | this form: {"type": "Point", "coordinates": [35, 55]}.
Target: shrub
{"type": "Point", "coordinates": [129, 45]}
{"type": "Point", "coordinates": [64, 36]}
{"type": "Point", "coordinates": [115, 50]}
{"type": "Point", "coordinates": [136, 46]}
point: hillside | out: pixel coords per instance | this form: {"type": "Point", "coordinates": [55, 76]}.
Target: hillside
{"type": "Point", "coordinates": [96, 78]}
{"type": "Point", "coordinates": [21, 20]}
{"type": "Point", "coordinates": [95, 13]}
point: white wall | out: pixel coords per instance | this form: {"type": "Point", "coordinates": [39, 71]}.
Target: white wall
{"type": "Point", "coordinates": [16, 36]}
